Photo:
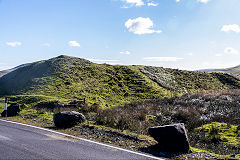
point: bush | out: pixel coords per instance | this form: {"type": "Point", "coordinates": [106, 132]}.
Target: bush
{"type": "Point", "coordinates": [194, 110]}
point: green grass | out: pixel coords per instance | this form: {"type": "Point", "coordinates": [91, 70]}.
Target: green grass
{"type": "Point", "coordinates": [67, 78]}
{"type": "Point", "coordinates": [32, 100]}
{"type": "Point", "coordinates": [44, 119]}
{"type": "Point", "coordinates": [189, 81]}
{"type": "Point", "coordinates": [225, 132]}
{"type": "Point", "coordinates": [214, 156]}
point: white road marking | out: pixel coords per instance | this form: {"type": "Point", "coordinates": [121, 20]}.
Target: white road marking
{"type": "Point", "coordinates": [58, 137]}
{"type": "Point", "coordinates": [4, 138]}
{"type": "Point", "coordinates": [86, 140]}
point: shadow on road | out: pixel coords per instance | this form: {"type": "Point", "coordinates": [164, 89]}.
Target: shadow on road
{"type": "Point", "coordinates": [154, 150]}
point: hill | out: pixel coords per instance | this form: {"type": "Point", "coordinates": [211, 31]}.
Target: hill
{"type": "Point", "coordinates": [234, 71]}
{"type": "Point", "coordinates": [4, 72]}
{"type": "Point", "coordinates": [108, 85]}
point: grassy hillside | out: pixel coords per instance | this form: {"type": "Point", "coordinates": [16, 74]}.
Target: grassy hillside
{"type": "Point", "coordinates": [4, 72]}
{"type": "Point", "coordinates": [234, 71]}
{"type": "Point", "coordinates": [131, 99]}
{"type": "Point", "coordinates": [189, 81]}
{"type": "Point", "coordinates": [67, 77]}
{"type": "Point", "coordinates": [211, 118]}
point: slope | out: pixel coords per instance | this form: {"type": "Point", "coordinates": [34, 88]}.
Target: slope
{"type": "Point", "coordinates": [108, 85]}
{"type": "Point", "coordinates": [234, 71]}
{"type": "Point", "coordinates": [4, 72]}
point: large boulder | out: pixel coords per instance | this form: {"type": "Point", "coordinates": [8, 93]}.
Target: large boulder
{"type": "Point", "coordinates": [12, 110]}
{"type": "Point", "coordinates": [68, 119]}
{"type": "Point", "coordinates": [171, 138]}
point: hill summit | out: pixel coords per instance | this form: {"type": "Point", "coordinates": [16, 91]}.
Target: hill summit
{"type": "Point", "coordinates": [108, 85]}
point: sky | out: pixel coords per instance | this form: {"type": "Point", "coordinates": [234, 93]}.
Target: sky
{"type": "Point", "coordinates": [182, 34]}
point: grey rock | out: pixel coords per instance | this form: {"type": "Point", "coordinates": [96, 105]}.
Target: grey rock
{"type": "Point", "coordinates": [171, 138]}
{"type": "Point", "coordinates": [68, 119]}
{"type": "Point", "coordinates": [75, 104]}
{"type": "Point", "coordinates": [49, 105]}
{"type": "Point", "coordinates": [12, 110]}
{"type": "Point", "coordinates": [226, 97]}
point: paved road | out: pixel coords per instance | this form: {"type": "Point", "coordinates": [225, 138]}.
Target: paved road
{"type": "Point", "coordinates": [19, 141]}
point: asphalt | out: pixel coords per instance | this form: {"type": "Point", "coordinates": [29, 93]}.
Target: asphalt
{"type": "Point", "coordinates": [19, 141]}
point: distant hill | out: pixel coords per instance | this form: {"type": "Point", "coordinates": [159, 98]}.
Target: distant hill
{"type": "Point", "coordinates": [209, 70]}
{"type": "Point", "coordinates": [4, 72]}
{"type": "Point", "coordinates": [107, 85]}
{"type": "Point", "coordinates": [234, 71]}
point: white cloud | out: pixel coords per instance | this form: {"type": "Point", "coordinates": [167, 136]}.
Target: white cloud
{"type": "Point", "coordinates": [5, 67]}
{"type": "Point", "coordinates": [218, 55]}
{"type": "Point", "coordinates": [125, 52]}
{"type": "Point", "coordinates": [190, 54]}
{"type": "Point", "coordinates": [217, 65]}
{"type": "Point", "coordinates": [203, 1]}
{"type": "Point", "coordinates": [230, 50]}
{"type": "Point", "coordinates": [162, 59]}
{"type": "Point", "coordinates": [102, 60]}
{"type": "Point", "coordinates": [46, 44]}
{"type": "Point", "coordinates": [152, 4]}
{"type": "Point", "coordinates": [74, 44]}
{"type": "Point", "coordinates": [140, 25]}
{"type": "Point", "coordinates": [125, 7]}
{"type": "Point", "coordinates": [177, 1]}
{"type": "Point", "coordinates": [231, 27]}
{"type": "Point", "coordinates": [13, 44]}
{"type": "Point", "coordinates": [137, 3]}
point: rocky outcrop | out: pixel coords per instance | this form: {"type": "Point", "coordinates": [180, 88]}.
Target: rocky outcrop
{"type": "Point", "coordinates": [49, 105]}
{"type": "Point", "coordinates": [171, 138]}
{"type": "Point", "coordinates": [75, 104]}
{"type": "Point", "coordinates": [68, 119]}
{"type": "Point", "coordinates": [57, 104]}
{"type": "Point", "coordinates": [12, 110]}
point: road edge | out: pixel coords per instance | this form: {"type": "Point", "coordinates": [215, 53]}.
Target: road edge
{"type": "Point", "coordinates": [83, 139]}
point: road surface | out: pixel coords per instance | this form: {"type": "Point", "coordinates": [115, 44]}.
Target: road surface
{"type": "Point", "coordinates": [19, 141]}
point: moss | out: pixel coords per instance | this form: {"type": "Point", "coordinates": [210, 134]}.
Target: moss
{"type": "Point", "coordinates": [150, 117]}
{"type": "Point", "coordinates": [225, 132]}
{"type": "Point", "coordinates": [213, 155]}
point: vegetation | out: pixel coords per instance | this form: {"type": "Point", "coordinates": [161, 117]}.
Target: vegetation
{"type": "Point", "coordinates": [234, 71]}
{"type": "Point", "coordinates": [72, 78]}
{"type": "Point", "coordinates": [199, 112]}
{"type": "Point", "coordinates": [187, 81]}
{"type": "Point", "coordinates": [130, 99]}
{"type": "Point", "coordinates": [224, 132]}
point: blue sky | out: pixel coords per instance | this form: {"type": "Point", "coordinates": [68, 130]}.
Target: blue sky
{"type": "Point", "coordinates": [184, 34]}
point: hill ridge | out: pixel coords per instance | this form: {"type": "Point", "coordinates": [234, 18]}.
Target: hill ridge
{"type": "Point", "coordinates": [107, 85]}
{"type": "Point", "coordinates": [233, 71]}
